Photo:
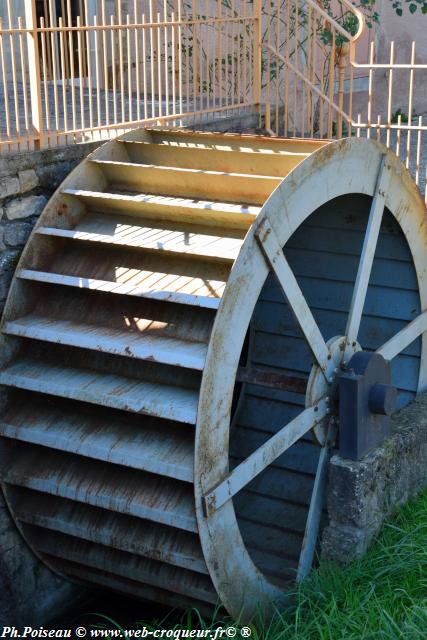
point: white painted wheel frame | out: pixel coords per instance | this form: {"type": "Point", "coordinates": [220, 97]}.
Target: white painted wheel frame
{"type": "Point", "coordinates": [344, 167]}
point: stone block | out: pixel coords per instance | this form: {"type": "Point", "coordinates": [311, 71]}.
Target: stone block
{"type": "Point", "coordinates": [28, 180]}
{"type": "Point", "coordinates": [9, 186]}
{"type": "Point", "coordinates": [50, 176]}
{"type": "Point", "coordinates": [362, 494]}
{"type": "Point", "coordinates": [17, 233]}
{"type": "Point", "coordinates": [25, 207]}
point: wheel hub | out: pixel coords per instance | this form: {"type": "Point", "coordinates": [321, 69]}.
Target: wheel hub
{"type": "Point", "coordinates": [360, 398]}
{"type": "Point", "coordinates": [325, 384]}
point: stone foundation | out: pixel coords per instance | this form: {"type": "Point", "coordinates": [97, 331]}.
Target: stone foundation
{"type": "Point", "coordinates": [361, 495]}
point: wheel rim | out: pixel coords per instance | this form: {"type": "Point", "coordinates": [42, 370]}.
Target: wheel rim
{"type": "Point", "coordinates": [307, 188]}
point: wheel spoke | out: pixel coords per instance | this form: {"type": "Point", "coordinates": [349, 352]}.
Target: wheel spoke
{"type": "Point", "coordinates": [314, 514]}
{"type": "Point", "coordinates": [367, 257]}
{"type": "Point", "coordinates": [273, 253]}
{"type": "Point", "coordinates": [264, 456]}
{"type": "Point", "coordinates": [403, 338]}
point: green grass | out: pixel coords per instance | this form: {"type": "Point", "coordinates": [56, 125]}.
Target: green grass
{"type": "Point", "coordinates": [383, 595]}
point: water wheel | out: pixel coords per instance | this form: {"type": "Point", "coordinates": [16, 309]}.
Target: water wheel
{"type": "Point", "coordinates": [170, 348]}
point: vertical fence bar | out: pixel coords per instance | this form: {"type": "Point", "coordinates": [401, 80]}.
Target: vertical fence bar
{"type": "Point", "coordinates": [55, 65]}
{"type": "Point", "coordinates": [159, 70]}
{"type": "Point", "coordinates": [34, 72]}
{"type": "Point", "coordinates": [180, 60]}
{"type": "Point", "coordinates": [105, 61]}
{"type": "Point", "coordinates": [14, 74]}
{"type": "Point", "coordinates": [129, 66]}
{"type": "Point", "coordinates": [410, 100]}
{"type": "Point", "coordinates": [72, 74]}
{"type": "Point", "coordinates": [371, 72]}
{"type": "Point", "coordinates": [342, 63]}
{"type": "Point", "coordinates": [45, 78]}
{"type": "Point", "coordinates": [81, 78]}
{"type": "Point", "coordinates": [287, 72]}
{"type": "Point", "coordinates": [418, 154]}
{"type": "Point", "coordinates": [113, 69]}
{"type": "Point", "coordinates": [166, 55]}
{"type": "Point", "coordinates": [277, 68]}
{"type": "Point", "coordinates": [89, 70]}
{"type": "Point", "coordinates": [137, 62]}
{"type": "Point", "coordinates": [331, 84]}
{"type": "Point", "coordinates": [268, 81]}
{"type": "Point", "coordinates": [144, 68]}
{"type": "Point", "coordinates": [390, 94]}
{"type": "Point", "coordinates": [24, 81]}
{"type": "Point", "coordinates": [63, 78]}
{"type": "Point", "coordinates": [258, 56]}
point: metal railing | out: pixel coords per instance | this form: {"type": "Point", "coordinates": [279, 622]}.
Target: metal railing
{"type": "Point", "coordinates": [68, 77]}
{"type": "Point", "coordinates": [71, 78]}
{"type": "Point", "coordinates": [314, 86]}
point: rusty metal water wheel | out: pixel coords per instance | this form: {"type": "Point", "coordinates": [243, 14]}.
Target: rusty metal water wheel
{"type": "Point", "coordinates": [169, 369]}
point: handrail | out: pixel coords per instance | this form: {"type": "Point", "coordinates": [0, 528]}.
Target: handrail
{"type": "Point", "coordinates": [359, 15]}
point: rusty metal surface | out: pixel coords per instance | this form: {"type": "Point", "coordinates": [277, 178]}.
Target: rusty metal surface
{"type": "Point", "coordinates": [271, 379]}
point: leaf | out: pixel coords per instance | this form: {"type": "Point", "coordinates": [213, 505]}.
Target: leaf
{"type": "Point", "coordinates": [399, 12]}
{"type": "Point", "coordinates": [412, 7]}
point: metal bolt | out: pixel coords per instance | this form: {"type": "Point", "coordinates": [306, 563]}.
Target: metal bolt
{"type": "Point", "coordinates": [331, 380]}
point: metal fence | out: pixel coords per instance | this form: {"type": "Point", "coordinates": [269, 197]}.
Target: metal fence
{"type": "Point", "coordinates": [315, 87]}
{"type": "Point", "coordinates": [68, 75]}
{"type": "Point", "coordinates": [70, 78]}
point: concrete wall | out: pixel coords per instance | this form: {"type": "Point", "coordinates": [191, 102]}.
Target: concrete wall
{"type": "Point", "coordinates": [363, 494]}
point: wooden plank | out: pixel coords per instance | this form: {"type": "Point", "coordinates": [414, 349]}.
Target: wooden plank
{"type": "Point", "coordinates": [167, 294]}
{"type": "Point", "coordinates": [130, 588]}
{"type": "Point", "coordinates": [122, 532]}
{"type": "Point", "coordinates": [156, 448]}
{"type": "Point", "coordinates": [284, 544]}
{"type": "Point", "coordinates": [302, 456]}
{"type": "Point", "coordinates": [233, 141]}
{"type": "Point", "coordinates": [381, 302]}
{"type": "Point", "coordinates": [274, 255]}
{"type": "Point", "coordinates": [314, 516]}
{"type": "Point", "coordinates": [269, 163]}
{"type": "Point", "coordinates": [400, 341]}
{"type": "Point", "coordinates": [129, 344]}
{"type": "Point", "coordinates": [117, 392]}
{"type": "Point", "coordinates": [126, 232]}
{"type": "Point", "coordinates": [275, 318]}
{"type": "Point", "coordinates": [240, 188]}
{"type": "Point", "coordinates": [366, 258]}
{"type": "Point", "coordinates": [124, 565]}
{"type": "Point", "coordinates": [269, 451]}
{"type": "Point", "coordinates": [103, 485]}
{"type": "Point", "coordinates": [160, 207]}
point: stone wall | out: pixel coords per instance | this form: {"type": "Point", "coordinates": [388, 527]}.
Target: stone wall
{"type": "Point", "coordinates": [27, 180]}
